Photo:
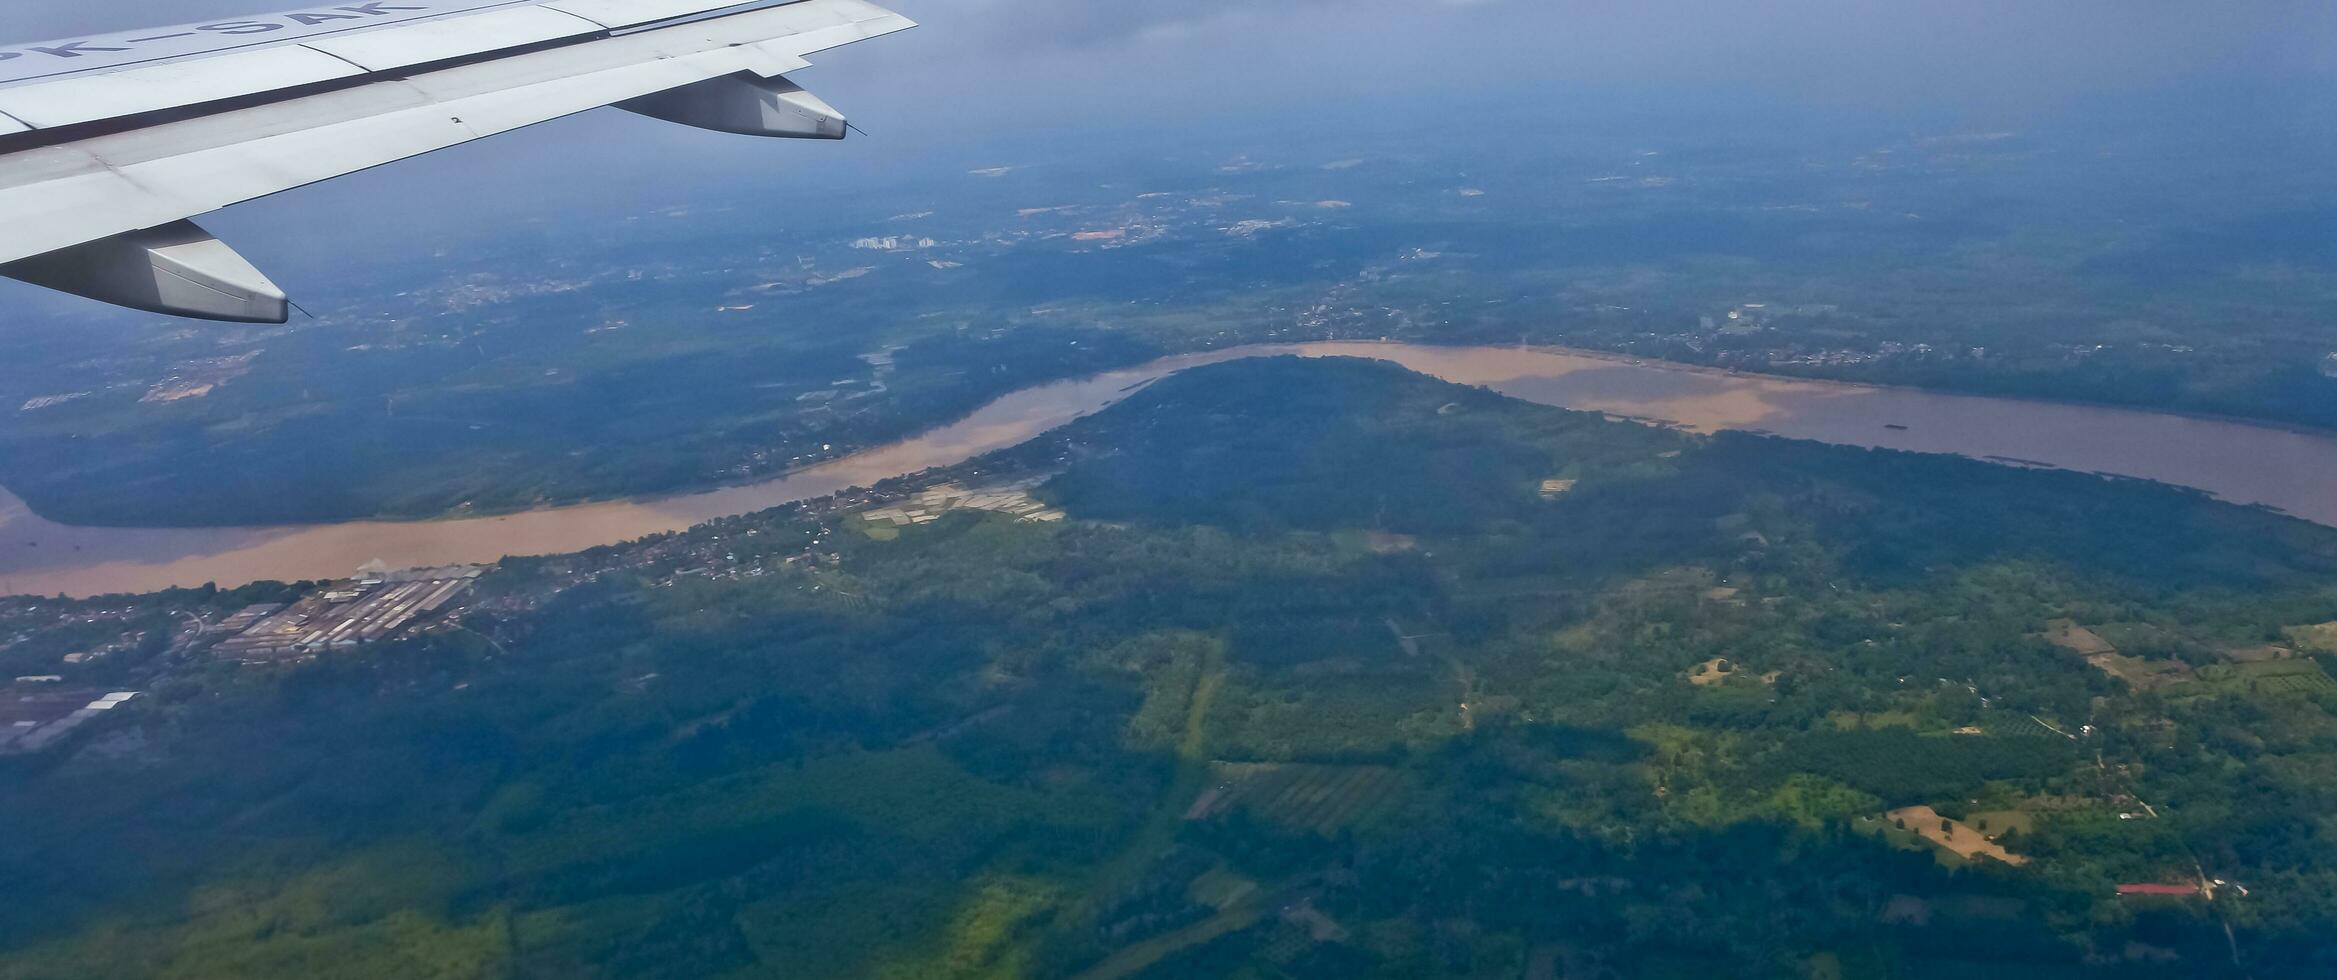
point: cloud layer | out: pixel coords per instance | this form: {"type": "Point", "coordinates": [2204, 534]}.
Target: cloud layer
{"type": "Point", "coordinates": [1018, 81]}
{"type": "Point", "coordinates": [1886, 48]}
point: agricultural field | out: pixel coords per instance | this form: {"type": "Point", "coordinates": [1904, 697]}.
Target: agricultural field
{"type": "Point", "coordinates": [2262, 677]}
{"type": "Point", "coordinates": [2009, 724]}
{"type": "Point", "coordinates": [2138, 673]}
{"type": "Point", "coordinates": [2143, 675]}
{"type": "Point", "coordinates": [875, 530]}
{"type": "Point", "coordinates": [1316, 798]}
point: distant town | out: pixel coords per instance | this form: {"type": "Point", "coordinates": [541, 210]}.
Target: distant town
{"type": "Point", "coordinates": [377, 604]}
{"type": "Point", "coordinates": [374, 605]}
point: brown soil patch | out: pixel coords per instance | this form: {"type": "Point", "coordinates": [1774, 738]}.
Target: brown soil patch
{"type": "Point", "coordinates": [1962, 840]}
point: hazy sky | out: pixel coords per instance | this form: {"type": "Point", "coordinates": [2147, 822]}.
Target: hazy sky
{"type": "Point", "coordinates": [1907, 48]}
{"type": "Point", "coordinates": [1013, 81]}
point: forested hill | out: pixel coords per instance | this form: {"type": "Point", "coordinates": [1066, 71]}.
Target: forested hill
{"type": "Point", "coordinates": [1332, 671]}
{"type": "Point", "coordinates": [1288, 443]}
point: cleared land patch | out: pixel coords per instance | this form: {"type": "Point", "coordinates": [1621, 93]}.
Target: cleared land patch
{"type": "Point", "coordinates": [1964, 841]}
{"type": "Point", "coordinates": [2137, 673]}
{"type": "Point", "coordinates": [2321, 637]}
{"type": "Point", "coordinates": [2077, 639]}
{"type": "Point", "coordinates": [1719, 669]}
{"type": "Point", "coordinates": [2258, 653]}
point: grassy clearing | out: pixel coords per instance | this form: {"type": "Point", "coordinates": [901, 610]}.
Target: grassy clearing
{"type": "Point", "coordinates": [1220, 887]}
{"type": "Point", "coordinates": [1852, 721]}
{"type": "Point", "coordinates": [2320, 638]}
{"type": "Point", "coordinates": [1903, 767]}
{"type": "Point", "coordinates": [1959, 839]}
{"type": "Point", "coordinates": [1133, 959]}
{"type": "Point", "coordinates": [2076, 639]}
{"type": "Point", "coordinates": [986, 935]}
{"type": "Point", "coordinates": [2143, 675]}
{"type": "Point", "coordinates": [352, 919]}
{"type": "Point", "coordinates": [1159, 830]}
{"type": "Point", "coordinates": [876, 530]}
{"type": "Point", "coordinates": [1995, 823]}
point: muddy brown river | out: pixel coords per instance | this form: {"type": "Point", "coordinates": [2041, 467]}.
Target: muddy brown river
{"type": "Point", "coordinates": [2295, 472]}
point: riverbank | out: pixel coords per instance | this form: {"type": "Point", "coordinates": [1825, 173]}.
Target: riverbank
{"type": "Point", "coordinates": [2248, 464]}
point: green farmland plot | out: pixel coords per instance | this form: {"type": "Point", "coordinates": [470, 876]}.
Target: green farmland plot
{"type": "Point", "coordinates": [2270, 677]}
{"type": "Point", "coordinates": [1322, 799]}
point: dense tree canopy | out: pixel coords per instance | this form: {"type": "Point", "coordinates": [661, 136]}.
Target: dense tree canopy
{"type": "Point", "coordinates": [1317, 682]}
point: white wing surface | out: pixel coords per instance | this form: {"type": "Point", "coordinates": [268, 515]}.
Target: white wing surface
{"type": "Point", "coordinates": [108, 145]}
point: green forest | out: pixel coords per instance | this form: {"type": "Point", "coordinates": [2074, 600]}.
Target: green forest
{"type": "Point", "coordinates": [1333, 671]}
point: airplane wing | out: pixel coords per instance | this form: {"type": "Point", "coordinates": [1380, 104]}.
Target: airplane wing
{"type": "Point", "coordinates": [108, 145]}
